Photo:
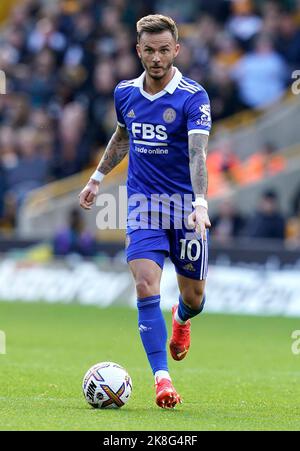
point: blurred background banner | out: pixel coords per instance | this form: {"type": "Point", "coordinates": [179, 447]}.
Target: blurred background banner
{"type": "Point", "coordinates": [231, 290]}
{"type": "Point", "coordinates": [62, 60]}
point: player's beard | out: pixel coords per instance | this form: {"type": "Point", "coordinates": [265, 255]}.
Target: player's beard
{"type": "Point", "coordinates": [154, 76]}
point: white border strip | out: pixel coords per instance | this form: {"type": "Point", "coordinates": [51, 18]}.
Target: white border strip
{"type": "Point", "coordinates": [197, 130]}
{"type": "Point", "coordinates": [149, 143]}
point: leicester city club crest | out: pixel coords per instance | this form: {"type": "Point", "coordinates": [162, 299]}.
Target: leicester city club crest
{"type": "Point", "coordinates": [169, 115]}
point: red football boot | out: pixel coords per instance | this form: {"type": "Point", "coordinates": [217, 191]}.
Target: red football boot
{"type": "Point", "coordinates": [181, 337]}
{"type": "Point", "coordinates": [166, 395]}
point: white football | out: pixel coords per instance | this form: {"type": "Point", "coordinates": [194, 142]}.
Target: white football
{"type": "Point", "coordinates": [107, 385]}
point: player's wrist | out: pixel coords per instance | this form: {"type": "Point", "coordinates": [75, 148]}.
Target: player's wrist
{"type": "Point", "coordinates": [200, 202]}
{"type": "Point", "coordinates": [97, 177]}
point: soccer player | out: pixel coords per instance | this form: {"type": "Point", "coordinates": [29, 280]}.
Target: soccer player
{"type": "Point", "coordinates": [163, 123]}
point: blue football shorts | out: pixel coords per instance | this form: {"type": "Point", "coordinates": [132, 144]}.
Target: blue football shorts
{"type": "Point", "coordinates": [187, 251]}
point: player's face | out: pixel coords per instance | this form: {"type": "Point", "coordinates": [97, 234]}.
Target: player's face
{"type": "Point", "coordinates": [157, 52]}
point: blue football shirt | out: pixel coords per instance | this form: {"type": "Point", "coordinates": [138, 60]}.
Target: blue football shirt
{"type": "Point", "coordinates": [158, 127]}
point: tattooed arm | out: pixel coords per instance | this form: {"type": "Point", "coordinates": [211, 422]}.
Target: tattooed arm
{"type": "Point", "coordinates": [198, 153]}
{"type": "Point", "coordinates": [115, 152]}
{"type": "Point", "coordinates": [199, 219]}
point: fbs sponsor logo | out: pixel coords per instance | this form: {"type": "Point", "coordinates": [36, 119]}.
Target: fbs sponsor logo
{"type": "Point", "coordinates": [131, 114]}
{"type": "Point", "coordinates": [148, 132]}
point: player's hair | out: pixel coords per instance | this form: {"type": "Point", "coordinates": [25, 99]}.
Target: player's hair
{"type": "Point", "coordinates": [156, 23]}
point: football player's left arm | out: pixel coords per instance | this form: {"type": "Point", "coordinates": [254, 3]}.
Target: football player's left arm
{"type": "Point", "coordinates": [199, 219]}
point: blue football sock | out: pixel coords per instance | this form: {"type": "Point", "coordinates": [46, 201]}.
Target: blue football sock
{"type": "Point", "coordinates": [153, 332]}
{"type": "Point", "coordinates": [185, 312]}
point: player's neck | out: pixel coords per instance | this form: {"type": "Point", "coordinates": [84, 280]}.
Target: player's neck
{"type": "Point", "coordinates": [152, 86]}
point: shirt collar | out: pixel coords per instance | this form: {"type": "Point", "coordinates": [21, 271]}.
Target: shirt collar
{"type": "Point", "coordinates": [171, 86]}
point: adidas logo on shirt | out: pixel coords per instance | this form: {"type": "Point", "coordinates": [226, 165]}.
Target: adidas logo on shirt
{"type": "Point", "coordinates": [131, 114]}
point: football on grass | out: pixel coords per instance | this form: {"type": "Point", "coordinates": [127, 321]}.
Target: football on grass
{"type": "Point", "coordinates": [107, 385]}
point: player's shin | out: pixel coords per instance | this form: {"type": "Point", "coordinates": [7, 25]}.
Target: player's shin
{"type": "Point", "coordinates": [184, 312]}
{"type": "Point", "coordinates": [153, 332]}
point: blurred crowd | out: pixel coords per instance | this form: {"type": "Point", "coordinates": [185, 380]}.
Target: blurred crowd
{"type": "Point", "coordinates": [267, 221]}
{"type": "Point", "coordinates": [63, 59]}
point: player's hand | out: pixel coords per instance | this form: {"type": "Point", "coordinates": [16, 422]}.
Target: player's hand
{"type": "Point", "coordinates": [199, 221]}
{"type": "Point", "coordinates": [88, 194]}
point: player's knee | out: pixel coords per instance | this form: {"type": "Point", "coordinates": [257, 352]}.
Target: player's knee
{"type": "Point", "coordinates": [146, 286]}
{"type": "Point", "coordinates": [193, 298]}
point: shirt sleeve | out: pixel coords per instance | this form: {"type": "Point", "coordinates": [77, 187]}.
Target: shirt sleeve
{"type": "Point", "coordinates": [120, 118]}
{"type": "Point", "coordinates": [198, 113]}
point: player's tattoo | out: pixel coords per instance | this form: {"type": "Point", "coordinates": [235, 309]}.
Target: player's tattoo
{"type": "Point", "coordinates": [115, 151]}
{"type": "Point", "coordinates": [198, 152]}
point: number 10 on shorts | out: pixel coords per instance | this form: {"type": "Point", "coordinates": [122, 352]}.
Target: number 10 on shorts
{"type": "Point", "coordinates": [188, 248]}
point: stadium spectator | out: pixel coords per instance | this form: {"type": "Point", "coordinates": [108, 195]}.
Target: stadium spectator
{"type": "Point", "coordinates": [267, 222]}
{"type": "Point", "coordinates": [74, 238]}
{"type": "Point", "coordinates": [244, 23]}
{"type": "Point", "coordinates": [261, 75]}
{"type": "Point", "coordinates": [2, 192]}
{"type": "Point", "coordinates": [271, 19]}
{"type": "Point", "coordinates": [293, 229]}
{"type": "Point", "coordinates": [288, 40]}
{"type": "Point", "coordinates": [73, 145]}
{"type": "Point", "coordinates": [296, 201]}
{"type": "Point", "coordinates": [223, 165]}
{"type": "Point", "coordinates": [100, 97]}
{"type": "Point", "coordinates": [8, 161]}
{"type": "Point", "coordinates": [46, 35]}
{"type": "Point", "coordinates": [43, 125]}
{"type": "Point", "coordinates": [17, 111]}
{"type": "Point", "coordinates": [8, 148]}
{"type": "Point", "coordinates": [24, 164]}
{"type": "Point", "coordinates": [30, 170]}
{"type": "Point", "coordinates": [223, 91]}
{"type": "Point", "coordinates": [293, 223]}
{"type": "Point", "coordinates": [228, 223]}
{"type": "Point", "coordinates": [227, 50]}
{"type": "Point", "coordinates": [218, 9]}
{"type": "Point", "coordinates": [265, 163]}
{"type": "Point", "coordinates": [43, 82]}
{"type": "Point", "coordinates": [14, 43]}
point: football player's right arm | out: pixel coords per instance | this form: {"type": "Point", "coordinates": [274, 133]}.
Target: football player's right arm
{"type": "Point", "coordinates": [115, 152]}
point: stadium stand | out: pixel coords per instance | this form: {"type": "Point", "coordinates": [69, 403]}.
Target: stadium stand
{"type": "Point", "coordinates": [67, 297]}
{"type": "Point", "coordinates": [62, 60]}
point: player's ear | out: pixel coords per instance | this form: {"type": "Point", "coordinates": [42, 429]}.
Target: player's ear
{"type": "Point", "coordinates": [138, 49]}
{"type": "Point", "coordinates": [177, 49]}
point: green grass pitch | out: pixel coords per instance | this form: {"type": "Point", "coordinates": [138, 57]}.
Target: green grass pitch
{"type": "Point", "coordinates": [240, 373]}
